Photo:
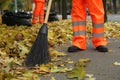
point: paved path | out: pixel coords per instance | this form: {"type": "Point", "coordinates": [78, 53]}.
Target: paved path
{"type": "Point", "coordinates": [114, 17]}
{"type": "Point", "coordinates": [101, 65]}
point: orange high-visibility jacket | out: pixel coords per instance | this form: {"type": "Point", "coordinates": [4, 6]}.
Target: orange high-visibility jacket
{"type": "Point", "coordinates": [96, 10]}
{"type": "Point", "coordinates": [39, 0]}
{"type": "Point", "coordinates": [38, 13]}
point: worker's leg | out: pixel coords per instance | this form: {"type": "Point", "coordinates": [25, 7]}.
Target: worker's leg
{"type": "Point", "coordinates": [97, 13]}
{"type": "Point", "coordinates": [78, 24]}
{"type": "Point", "coordinates": [41, 13]}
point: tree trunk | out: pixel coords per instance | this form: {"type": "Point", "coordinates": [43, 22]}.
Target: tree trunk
{"type": "Point", "coordinates": [59, 9]}
{"type": "Point", "coordinates": [114, 6]}
{"type": "Point", "coordinates": [105, 11]}
{"type": "Point", "coordinates": [16, 8]}
{"type": "Point", "coordinates": [64, 9]}
{"type": "Point", "coordinates": [0, 11]}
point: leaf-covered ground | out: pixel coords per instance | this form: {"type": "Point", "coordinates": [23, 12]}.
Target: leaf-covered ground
{"type": "Point", "coordinates": [16, 41]}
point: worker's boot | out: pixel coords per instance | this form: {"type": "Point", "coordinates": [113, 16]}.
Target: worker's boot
{"type": "Point", "coordinates": [74, 49]}
{"type": "Point", "coordinates": [102, 48]}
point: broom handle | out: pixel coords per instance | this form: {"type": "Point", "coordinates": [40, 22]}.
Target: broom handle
{"type": "Point", "coordinates": [48, 11]}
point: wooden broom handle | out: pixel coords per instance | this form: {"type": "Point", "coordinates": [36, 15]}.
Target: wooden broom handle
{"type": "Point", "coordinates": [48, 11]}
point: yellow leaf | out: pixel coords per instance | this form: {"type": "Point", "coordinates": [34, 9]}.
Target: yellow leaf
{"type": "Point", "coordinates": [44, 68]}
{"type": "Point", "coordinates": [52, 78]}
{"type": "Point", "coordinates": [56, 53]}
{"type": "Point", "coordinates": [117, 63]}
{"type": "Point", "coordinates": [84, 60]}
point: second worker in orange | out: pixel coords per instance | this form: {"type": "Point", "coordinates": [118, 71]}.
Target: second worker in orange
{"type": "Point", "coordinates": [38, 13]}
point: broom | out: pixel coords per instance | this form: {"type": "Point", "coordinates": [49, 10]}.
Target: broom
{"type": "Point", "coordinates": [39, 51]}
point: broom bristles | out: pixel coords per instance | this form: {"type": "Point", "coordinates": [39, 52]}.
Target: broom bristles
{"type": "Point", "coordinates": [39, 51]}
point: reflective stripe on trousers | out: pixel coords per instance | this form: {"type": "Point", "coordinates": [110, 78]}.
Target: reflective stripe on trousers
{"type": "Point", "coordinates": [79, 28]}
{"type": "Point", "coordinates": [98, 35]}
{"type": "Point", "coordinates": [41, 18]}
{"type": "Point", "coordinates": [79, 34]}
{"type": "Point", "coordinates": [38, 18]}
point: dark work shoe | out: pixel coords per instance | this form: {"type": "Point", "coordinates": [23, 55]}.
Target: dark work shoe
{"type": "Point", "coordinates": [74, 49]}
{"type": "Point", "coordinates": [102, 49]}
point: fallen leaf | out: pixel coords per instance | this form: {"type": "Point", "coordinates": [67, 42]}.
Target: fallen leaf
{"type": "Point", "coordinates": [78, 72]}
{"type": "Point", "coordinates": [52, 78]}
{"type": "Point", "coordinates": [89, 77]}
{"type": "Point", "coordinates": [84, 60]}
{"type": "Point", "coordinates": [110, 50]}
{"type": "Point", "coordinates": [117, 63]}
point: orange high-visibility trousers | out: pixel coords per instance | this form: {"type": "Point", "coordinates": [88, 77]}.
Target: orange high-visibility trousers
{"type": "Point", "coordinates": [96, 10]}
{"type": "Point", "coordinates": [38, 13]}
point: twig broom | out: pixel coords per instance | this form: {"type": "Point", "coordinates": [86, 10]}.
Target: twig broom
{"type": "Point", "coordinates": [39, 51]}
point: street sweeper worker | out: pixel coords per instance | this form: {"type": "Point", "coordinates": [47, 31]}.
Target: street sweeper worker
{"type": "Point", "coordinates": [96, 10]}
{"type": "Point", "coordinates": [38, 12]}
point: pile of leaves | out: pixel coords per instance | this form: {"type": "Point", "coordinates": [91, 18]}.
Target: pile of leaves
{"type": "Point", "coordinates": [16, 41]}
